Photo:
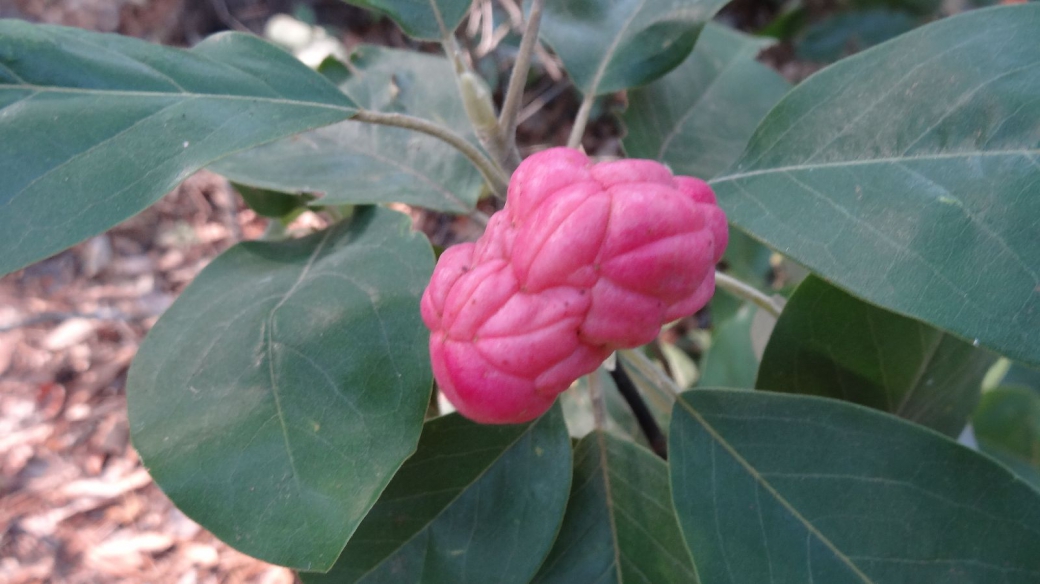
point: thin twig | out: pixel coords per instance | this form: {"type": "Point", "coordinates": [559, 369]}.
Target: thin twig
{"type": "Point", "coordinates": [221, 8]}
{"type": "Point", "coordinates": [646, 420]}
{"type": "Point", "coordinates": [479, 217]}
{"type": "Point", "coordinates": [580, 121]}
{"type": "Point", "coordinates": [492, 174]}
{"type": "Point", "coordinates": [541, 100]}
{"type": "Point", "coordinates": [508, 119]}
{"type": "Point", "coordinates": [747, 292]}
{"type": "Point", "coordinates": [551, 64]}
{"type": "Point", "coordinates": [487, 30]}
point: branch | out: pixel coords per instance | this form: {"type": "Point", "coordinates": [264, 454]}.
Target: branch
{"type": "Point", "coordinates": [508, 118]}
{"type": "Point", "coordinates": [646, 420]}
{"type": "Point", "coordinates": [582, 119]}
{"type": "Point", "coordinates": [492, 174]}
{"type": "Point", "coordinates": [748, 293]}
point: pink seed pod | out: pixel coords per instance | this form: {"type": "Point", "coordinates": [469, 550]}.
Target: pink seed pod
{"type": "Point", "coordinates": [583, 260]}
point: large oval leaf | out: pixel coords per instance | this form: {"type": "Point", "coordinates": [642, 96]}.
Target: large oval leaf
{"type": "Point", "coordinates": [831, 344]}
{"type": "Point", "coordinates": [277, 397]}
{"type": "Point", "coordinates": [782, 488]}
{"type": "Point", "coordinates": [609, 45]}
{"type": "Point", "coordinates": [476, 503]}
{"type": "Point", "coordinates": [97, 127]}
{"type": "Point", "coordinates": [354, 162]}
{"type": "Point", "coordinates": [423, 19]}
{"type": "Point", "coordinates": [620, 525]}
{"type": "Point", "coordinates": [698, 118]}
{"type": "Point", "coordinates": [907, 175]}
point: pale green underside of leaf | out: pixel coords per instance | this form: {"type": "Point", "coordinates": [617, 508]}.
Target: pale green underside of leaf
{"type": "Point", "coordinates": [475, 504]}
{"type": "Point", "coordinates": [698, 118]}
{"type": "Point", "coordinates": [908, 175]}
{"type": "Point", "coordinates": [609, 45]}
{"type": "Point", "coordinates": [279, 394]}
{"type": "Point", "coordinates": [620, 524]}
{"type": "Point", "coordinates": [831, 344]}
{"type": "Point", "coordinates": [730, 361]}
{"type": "Point", "coordinates": [783, 488]}
{"type": "Point", "coordinates": [355, 163]}
{"type": "Point", "coordinates": [97, 127]}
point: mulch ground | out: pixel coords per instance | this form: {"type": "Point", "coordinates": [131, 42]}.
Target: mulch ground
{"type": "Point", "coordinates": [76, 505]}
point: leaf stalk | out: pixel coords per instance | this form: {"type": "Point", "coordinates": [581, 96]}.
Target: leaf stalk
{"type": "Point", "coordinates": [747, 292]}
{"type": "Point", "coordinates": [494, 176]}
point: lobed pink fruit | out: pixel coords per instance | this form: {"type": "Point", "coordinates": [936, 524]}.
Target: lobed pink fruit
{"type": "Point", "coordinates": [583, 260]}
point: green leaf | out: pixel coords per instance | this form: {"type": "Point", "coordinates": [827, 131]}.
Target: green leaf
{"type": "Point", "coordinates": [97, 127]}
{"type": "Point", "coordinates": [620, 524]}
{"type": "Point", "coordinates": [278, 395]}
{"type": "Point", "coordinates": [1007, 422]}
{"type": "Point", "coordinates": [423, 19]}
{"type": "Point", "coordinates": [853, 31]}
{"type": "Point", "coordinates": [272, 204]}
{"type": "Point", "coordinates": [698, 118]}
{"type": "Point", "coordinates": [1022, 376]}
{"type": "Point", "coordinates": [610, 45]}
{"type": "Point", "coordinates": [748, 260]}
{"type": "Point", "coordinates": [916, 7]}
{"type": "Point", "coordinates": [355, 162]}
{"type": "Point", "coordinates": [907, 175]}
{"type": "Point", "coordinates": [787, 488]}
{"type": "Point", "coordinates": [831, 344]}
{"type": "Point", "coordinates": [731, 360]}
{"type": "Point", "coordinates": [476, 503]}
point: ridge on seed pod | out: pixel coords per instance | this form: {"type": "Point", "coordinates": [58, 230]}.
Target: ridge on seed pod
{"type": "Point", "coordinates": [584, 259]}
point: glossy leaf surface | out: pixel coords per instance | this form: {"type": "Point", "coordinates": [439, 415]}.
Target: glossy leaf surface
{"type": "Point", "coordinates": [907, 175]}
{"type": "Point", "coordinates": [620, 525]}
{"type": "Point", "coordinates": [423, 19]}
{"type": "Point", "coordinates": [354, 162]}
{"type": "Point", "coordinates": [832, 344]}
{"type": "Point", "coordinates": [477, 503]}
{"type": "Point", "coordinates": [609, 45]}
{"type": "Point", "coordinates": [97, 127]}
{"type": "Point", "coordinates": [279, 394]}
{"type": "Point", "coordinates": [698, 118]}
{"type": "Point", "coordinates": [787, 488]}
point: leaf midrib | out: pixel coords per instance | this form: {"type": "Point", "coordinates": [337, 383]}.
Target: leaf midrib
{"type": "Point", "coordinates": [758, 478]}
{"type": "Point", "coordinates": [449, 503]}
{"type": "Point", "coordinates": [734, 60]}
{"type": "Point", "coordinates": [1026, 152]}
{"type": "Point", "coordinates": [608, 55]}
{"type": "Point", "coordinates": [36, 89]}
{"type": "Point", "coordinates": [608, 495]}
